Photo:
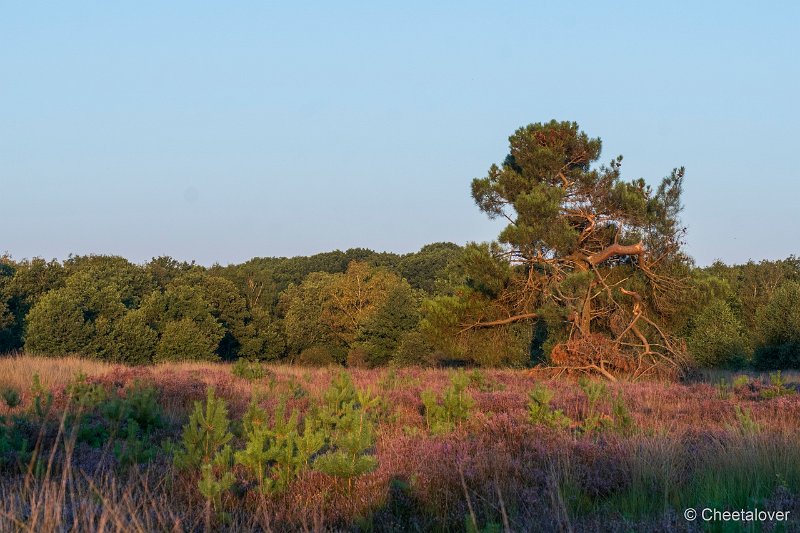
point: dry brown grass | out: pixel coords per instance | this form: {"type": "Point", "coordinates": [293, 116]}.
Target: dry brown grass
{"type": "Point", "coordinates": [18, 370]}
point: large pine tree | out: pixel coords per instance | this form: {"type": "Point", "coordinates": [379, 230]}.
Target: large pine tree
{"type": "Point", "coordinates": [596, 256]}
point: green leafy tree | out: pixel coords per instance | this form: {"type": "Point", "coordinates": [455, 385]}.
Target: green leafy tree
{"type": "Point", "coordinates": [79, 317]}
{"type": "Point", "coordinates": [753, 284]}
{"type": "Point", "coordinates": [779, 329]}
{"type": "Point", "coordinates": [382, 332]}
{"type": "Point", "coordinates": [429, 265]}
{"type": "Point", "coordinates": [163, 270]}
{"type": "Point", "coordinates": [225, 305]}
{"type": "Point", "coordinates": [132, 281]}
{"type": "Point", "coordinates": [717, 338]}
{"type": "Point", "coordinates": [134, 340]}
{"type": "Point", "coordinates": [184, 340]}
{"type": "Point", "coordinates": [341, 310]}
{"type": "Point", "coordinates": [22, 283]}
{"type": "Point", "coordinates": [184, 321]}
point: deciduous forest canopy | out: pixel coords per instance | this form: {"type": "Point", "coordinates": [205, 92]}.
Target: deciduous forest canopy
{"type": "Point", "coordinates": [589, 273]}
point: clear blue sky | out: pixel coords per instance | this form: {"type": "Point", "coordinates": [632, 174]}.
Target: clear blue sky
{"type": "Point", "coordinates": [220, 131]}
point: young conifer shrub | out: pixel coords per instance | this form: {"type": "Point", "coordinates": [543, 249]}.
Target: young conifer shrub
{"type": "Point", "coordinates": [621, 415]}
{"type": "Point", "coordinates": [777, 387]}
{"type": "Point", "coordinates": [205, 445]}
{"type": "Point", "coordinates": [250, 370]}
{"type": "Point", "coordinates": [347, 419]}
{"type": "Point", "coordinates": [744, 421]}
{"type": "Point", "coordinates": [42, 399]}
{"type": "Point", "coordinates": [215, 479]}
{"type": "Point", "coordinates": [594, 391]}
{"type": "Point", "coordinates": [206, 433]}
{"type": "Point", "coordinates": [11, 397]}
{"type": "Point", "coordinates": [540, 411]}
{"type": "Point", "coordinates": [276, 454]}
{"type": "Point", "coordinates": [444, 414]}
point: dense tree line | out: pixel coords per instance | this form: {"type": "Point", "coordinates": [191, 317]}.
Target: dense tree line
{"type": "Point", "coordinates": [357, 308]}
{"type": "Point", "coordinates": [351, 307]}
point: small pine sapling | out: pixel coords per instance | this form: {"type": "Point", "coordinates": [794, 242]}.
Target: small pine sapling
{"type": "Point", "coordinates": [216, 478]}
{"type": "Point", "coordinates": [205, 447]}
{"type": "Point", "coordinates": [540, 411]}
{"type": "Point", "coordinates": [740, 382]}
{"type": "Point", "coordinates": [275, 455]}
{"type": "Point", "coordinates": [744, 420]}
{"type": "Point", "coordinates": [42, 399]}
{"type": "Point", "coordinates": [723, 389]}
{"type": "Point", "coordinates": [621, 415]}
{"type": "Point", "coordinates": [144, 407]}
{"type": "Point", "coordinates": [134, 450]}
{"type": "Point", "coordinates": [10, 397]}
{"type": "Point", "coordinates": [444, 414]}
{"type": "Point", "coordinates": [777, 387]}
{"type": "Point", "coordinates": [594, 391]}
{"type": "Point", "coordinates": [347, 420]}
{"type": "Point", "coordinates": [205, 434]}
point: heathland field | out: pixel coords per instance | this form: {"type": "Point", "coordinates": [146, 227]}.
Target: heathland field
{"type": "Point", "coordinates": [184, 447]}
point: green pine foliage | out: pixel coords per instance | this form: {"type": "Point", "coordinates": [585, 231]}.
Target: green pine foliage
{"type": "Point", "coordinates": [134, 449]}
{"type": "Point", "coordinates": [541, 413]}
{"type": "Point", "coordinates": [216, 478]}
{"type": "Point", "coordinates": [205, 446]}
{"type": "Point", "coordinates": [347, 419]}
{"type": "Point", "coordinates": [595, 391]}
{"type": "Point", "coordinates": [277, 453]}
{"type": "Point", "coordinates": [777, 387]}
{"type": "Point", "coordinates": [621, 416]}
{"type": "Point", "coordinates": [11, 397]}
{"type": "Point", "coordinates": [42, 399]}
{"type": "Point", "coordinates": [205, 434]}
{"type": "Point", "coordinates": [744, 421]}
{"type": "Point", "coordinates": [448, 412]}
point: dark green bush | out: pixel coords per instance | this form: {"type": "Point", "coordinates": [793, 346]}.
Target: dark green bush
{"type": "Point", "coordinates": [717, 337]}
{"type": "Point", "coordinates": [320, 355]}
{"type": "Point", "coordinates": [779, 330]}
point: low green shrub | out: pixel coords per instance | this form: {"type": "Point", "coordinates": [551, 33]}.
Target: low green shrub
{"type": "Point", "coordinates": [723, 389]}
{"type": "Point", "coordinates": [444, 414]}
{"type": "Point", "coordinates": [480, 381]}
{"type": "Point", "coordinates": [42, 399]}
{"type": "Point", "coordinates": [250, 370]}
{"type": "Point", "coordinates": [593, 419]}
{"type": "Point", "coordinates": [620, 415]}
{"type": "Point", "coordinates": [276, 453]}
{"type": "Point", "coordinates": [205, 434]}
{"type": "Point", "coordinates": [541, 413]}
{"type": "Point", "coordinates": [777, 387]}
{"type": "Point", "coordinates": [11, 397]}
{"type": "Point", "coordinates": [744, 421]}
{"type": "Point", "coordinates": [347, 421]}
